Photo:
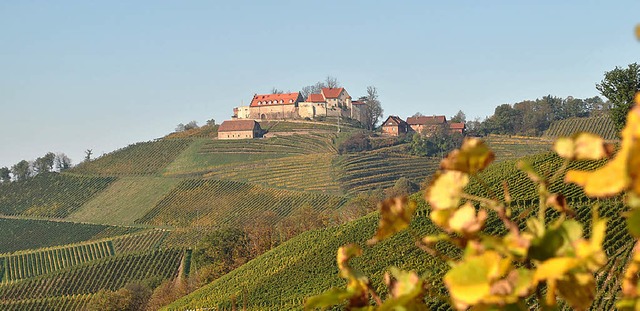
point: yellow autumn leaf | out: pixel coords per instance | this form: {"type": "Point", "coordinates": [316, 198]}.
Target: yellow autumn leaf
{"type": "Point", "coordinates": [554, 268]}
{"type": "Point", "coordinates": [395, 216]}
{"type": "Point", "coordinates": [472, 157]}
{"type": "Point", "coordinates": [638, 33]}
{"type": "Point", "coordinates": [441, 217]}
{"type": "Point", "coordinates": [616, 176]}
{"type": "Point", "coordinates": [444, 191]}
{"type": "Point", "coordinates": [589, 146]}
{"type": "Point", "coordinates": [466, 221]}
{"type": "Point", "coordinates": [470, 281]}
{"type": "Point", "coordinates": [563, 146]}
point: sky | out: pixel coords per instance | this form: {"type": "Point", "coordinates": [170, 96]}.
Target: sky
{"type": "Point", "coordinates": [78, 75]}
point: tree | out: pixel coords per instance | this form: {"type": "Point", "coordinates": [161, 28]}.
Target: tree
{"type": "Point", "coordinates": [63, 162]}
{"type": "Point", "coordinates": [402, 187]}
{"type": "Point", "coordinates": [619, 86]}
{"type": "Point", "coordinates": [5, 174]}
{"type": "Point", "coordinates": [87, 154]}
{"type": "Point", "coordinates": [459, 117]}
{"type": "Point", "coordinates": [373, 110]}
{"type": "Point", "coordinates": [274, 90]}
{"type": "Point", "coordinates": [222, 250]}
{"type": "Point", "coordinates": [355, 143]}
{"type": "Point", "coordinates": [331, 82]}
{"type": "Point", "coordinates": [44, 164]}
{"type": "Point", "coordinates": [211, 122]}
{"type": "Point", "coordinates": [21, 170]}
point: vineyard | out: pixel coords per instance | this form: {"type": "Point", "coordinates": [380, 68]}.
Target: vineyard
{"type": "Point", "coordinates": [368, 171]}
{"type": "Point", "coordinates": [110, 273]}
{"type": "Point", "coordinates": [287, 145]}
{"type": "Point", "coordinates": [205, 131]}
{"type": "Point", "coordinates": [50, 194]}
{"type": "Point", "coordinates": [313, 172]}
{"type": "Point", "coordinates": [515, 147]}
{"type": "Point", "coordinates": [138, 159]}
{"type": "Point", "coordinates": [271, 280]}
{"type": "Point", "coordinates": [30, 264]}
{"type": "Point", "coordinates": [61, 303]}
{"type": "Point", "coordinates": [216, 202]}
{"type": "Point", "coordinates": [22, 234]}
{"type": "Point", "coordinates": [125, 200]}
{"type": "Point", "coordinates": [289, 126]}
{"type": "Point", "coordinates": [204, 154]}
{"type": "Point", "coordinates": [601, 125]}
{"type": "Point", "coordinates": [521, 188]}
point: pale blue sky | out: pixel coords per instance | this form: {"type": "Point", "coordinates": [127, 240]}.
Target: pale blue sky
{"type": "Point", "coordinates": [99, 75]}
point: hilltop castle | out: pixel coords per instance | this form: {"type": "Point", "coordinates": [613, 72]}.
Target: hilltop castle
{"type": "Point", "coordinates": [330, 102]}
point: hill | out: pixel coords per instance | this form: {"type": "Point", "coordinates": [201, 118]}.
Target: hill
{"type": "Point", "coordinates": [186, 184]}
{"type": "Point", "coordinates": [271, 281]}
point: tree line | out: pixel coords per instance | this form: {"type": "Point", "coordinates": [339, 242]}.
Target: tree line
{"type": "Point", "coordinates": [24, 169]}
{"type": "Point", "coordinates": [533, 117]}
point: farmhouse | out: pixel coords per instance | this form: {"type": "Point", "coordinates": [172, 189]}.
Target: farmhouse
{"type": "Point", "coordinates": [430, 123]}
{"type": "Point", "coordinates": [394, 126]}
{"type": "Point", "coordinates": [239, 129]}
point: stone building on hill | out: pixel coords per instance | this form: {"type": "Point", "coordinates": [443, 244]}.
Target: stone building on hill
{"type": "Point", "coordinates": [394, 126]}
{"type": "Point", "coordinates": [239, 129]}
{"type": "Point", "coordinates": [330, 102]}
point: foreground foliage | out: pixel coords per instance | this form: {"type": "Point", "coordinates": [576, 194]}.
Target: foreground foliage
{"type": "Point", "coordinates": [550, 258]}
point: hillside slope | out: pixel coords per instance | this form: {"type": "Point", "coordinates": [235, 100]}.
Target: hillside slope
{"type": "Point", "coordinates": [272, 281]}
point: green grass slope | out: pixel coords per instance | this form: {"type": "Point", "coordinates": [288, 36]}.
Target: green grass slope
{"type": "Point", "coordinates": [601, 125]}
{"type": "Point", "coordinates": [125, 200]}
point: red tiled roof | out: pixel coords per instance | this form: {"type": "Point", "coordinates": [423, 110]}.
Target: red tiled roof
{"type": "Point", "coordinates": [396, 119]}
{"type": "Point", "coordinates": [457, 126]}
{"type": "Point", "coordinates": [426, 120]}
{"type": "Point", "coordinates": [274, 99]}
{"type": "Point", "coordinates": [332, 92]}
{"type": "Point", "coordinates": [237, 125]}
{"type": "Point", "coordinates": [315, 98]}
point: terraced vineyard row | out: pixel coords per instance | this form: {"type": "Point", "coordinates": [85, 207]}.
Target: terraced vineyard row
{"type": "Point", "coordinates": [137, 159]}
{"type": "Point", "coordinates": [109, 273]}
{"type": "Point", "coordinates": [515, 147]}
{"type": "Point", "coordinates": [285, 126]}
{"type": "Point", "coordinates": [288, 145]}
{"type": "Point", "coordinates": [313, 172]}
{"type": "Point", "coordinates": [25, 265]}
{"type": "Point", "coordinates": [22, 234]}
{"type": "Point", "coordinates": [62, 303]}
{"type": "Point", "coordinates": [521, 188]}
{"type": "Point", "coordinates": [363, 172]}
{"type": "Point", "coordinates": [217, 202]}
{"type": "Point", "coordinates": [50, 194]}
{"type": "Point", "coordinates": [601, 125]}
{"type": "Point", "coordinates": [139, 242]}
